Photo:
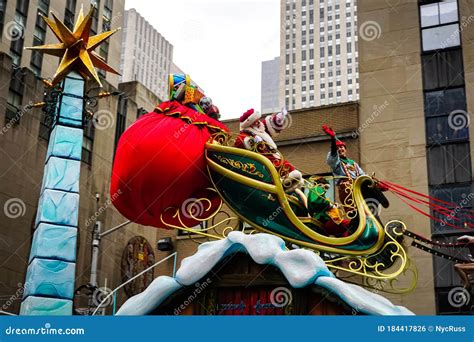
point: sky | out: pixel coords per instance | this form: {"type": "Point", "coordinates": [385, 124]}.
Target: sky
{"type": "Point", "coordinates": [220, 43]}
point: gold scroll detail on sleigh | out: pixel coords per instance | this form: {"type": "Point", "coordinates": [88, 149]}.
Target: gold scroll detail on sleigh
{"type": "Point", "coordinates": [237, 172]}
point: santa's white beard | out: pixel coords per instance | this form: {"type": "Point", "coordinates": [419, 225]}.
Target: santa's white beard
{"type": "Point", "coordinates": [262, 133]}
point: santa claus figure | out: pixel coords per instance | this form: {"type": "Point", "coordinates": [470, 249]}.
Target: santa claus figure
{"type": "Point", "coordinates": [256, 134]}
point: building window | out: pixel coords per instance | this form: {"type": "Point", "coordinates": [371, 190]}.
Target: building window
{"type": "Point", "coordinates": [107, 15]}
{"type": "Point", "coordinates": [441, 37]}
{"type": "Point", "coordinates": [439, 23]}
{"type": "Point", "coordinates": [16, 47]}
{"type": "Point", "coordinates": [88, 142]}
{"type": "Point", "coordinates": [39, 36]}
{"type": "Point", "coordinates": [3, 7]}
{"type": "Point", "coordinates": [95, 16]}
{"type": "Point", "coordinates": [440, 130]}
{"type": "Point", "coordinates": [456, 194]}
{"type": "Point", "coordinates": [69, 13]}
{"type": "Point", "coordinates": [443, 69]}
{"type": "Point", "coordinates": [439, 13]}
{"type": "Point", "coordinates": [121, 118]}
{"type": "Point", "coordinates": [141, 111]}
{"type": "Point", "coordinates": [15, 97]}
{"type": "Point", "coordinates": [444, 102]}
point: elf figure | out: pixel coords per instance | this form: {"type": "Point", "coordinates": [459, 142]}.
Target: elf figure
{"type": "Point", "coordinates": [257, 134]}
{"type": "Point", "coordinates": [323, 210]}
{"type": "Point", "coordinates": [341, 165]}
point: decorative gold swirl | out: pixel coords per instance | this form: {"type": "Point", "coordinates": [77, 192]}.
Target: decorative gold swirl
{"type": "Point", "coordinates": [248, 168]}
{"type": "Point", "coordinates": [207, 225]}
{"type": "Point", "coordinates": [369, 266]}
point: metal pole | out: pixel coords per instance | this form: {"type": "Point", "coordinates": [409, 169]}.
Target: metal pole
{"type": "Point", "coordinates": [95, 252]}
{"type": "Point", "coordinates": [111, 230]}
{"type": "Point", "coordinates": [174, 263]}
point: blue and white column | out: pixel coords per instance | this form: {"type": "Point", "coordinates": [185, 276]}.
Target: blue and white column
{"type": "Point", "coordinates": [49, 284]}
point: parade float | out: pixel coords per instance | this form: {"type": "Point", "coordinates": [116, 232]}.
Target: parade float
{"type": "Point", "coordinates": [177, 166]}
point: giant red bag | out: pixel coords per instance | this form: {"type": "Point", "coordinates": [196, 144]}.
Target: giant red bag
{"type": "Point", "coordinates": [160, 163]}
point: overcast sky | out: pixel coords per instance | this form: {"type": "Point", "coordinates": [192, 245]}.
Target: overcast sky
{"type": "Point", "coordinates": [220, 43]}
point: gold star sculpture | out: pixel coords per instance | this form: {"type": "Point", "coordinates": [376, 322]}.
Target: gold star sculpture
{"type": "Point", "coordinates": [76, 48]}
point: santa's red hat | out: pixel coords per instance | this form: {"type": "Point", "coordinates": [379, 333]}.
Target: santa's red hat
{"type": "Point", "coordinates": [249, 118]}
{"type": "Point", "coordinates": [340, 143]}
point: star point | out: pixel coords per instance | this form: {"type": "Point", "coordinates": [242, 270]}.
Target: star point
{"type": "Point", "coordinates": [76, 48]}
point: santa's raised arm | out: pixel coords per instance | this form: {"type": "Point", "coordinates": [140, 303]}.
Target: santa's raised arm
{"type": "Point", "coordinates": [255, 130]}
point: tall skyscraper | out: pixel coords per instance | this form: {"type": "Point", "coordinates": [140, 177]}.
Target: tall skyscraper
{"type": "Point", "coordinates": [270, 85]}
{"type": "Point", "coordinates": [318, 47]}
{"type": "Point", "coordinates": [146, 54]}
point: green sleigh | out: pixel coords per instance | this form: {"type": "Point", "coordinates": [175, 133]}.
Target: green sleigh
{"type": "Point", "coordinates": [250, 185]}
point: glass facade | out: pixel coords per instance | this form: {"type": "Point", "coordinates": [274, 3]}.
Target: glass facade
{"type": "Point", "coordinates": [447, 135]}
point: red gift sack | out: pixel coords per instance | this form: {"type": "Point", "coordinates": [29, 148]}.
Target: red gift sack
{"type": "Point", "coordinates": [160, 163]}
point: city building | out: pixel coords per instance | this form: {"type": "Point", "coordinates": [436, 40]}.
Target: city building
{"type": "Point", "coordinates": [270, 86]}
{"type": "Point", "coordinates": [24, 136]}
{"type": "Point", "coordinates": [417, 66]}
{"type": "Point", "coordinates": [318, 51]}
{"type": "Point", "coordinates": [146, 55]}
{"type": "Point", "coordinates": [411, 126]}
